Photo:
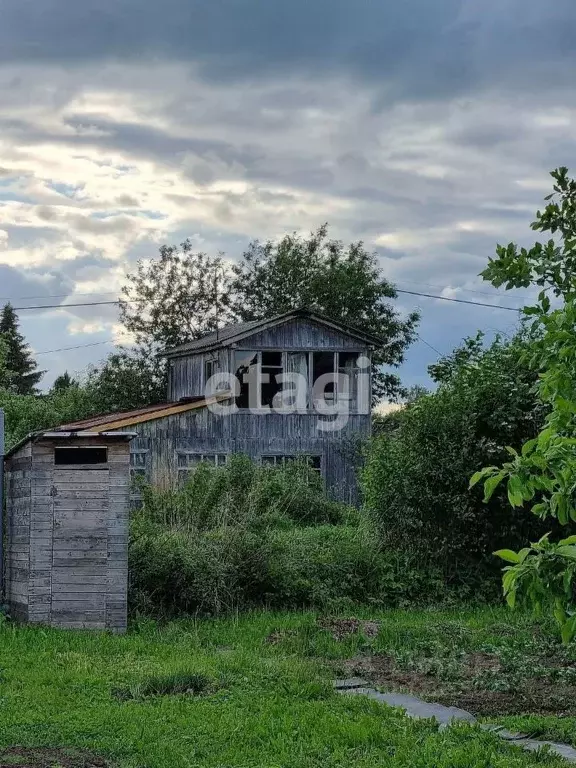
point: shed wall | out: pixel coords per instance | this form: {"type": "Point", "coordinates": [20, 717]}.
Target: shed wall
{"type": "Point", "coordinates": [67, 544]}
{"type": "Point", "coordinates": [201, 431]}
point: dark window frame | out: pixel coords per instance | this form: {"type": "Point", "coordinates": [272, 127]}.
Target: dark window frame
{"type": "Point", "coordinates": [279, 459]}
{"type": "Point", "coordinates": [336, 369]}
{"type": "Point", "coordinates": [80, 455]}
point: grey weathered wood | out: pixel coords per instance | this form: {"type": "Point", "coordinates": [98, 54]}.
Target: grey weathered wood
{"type": "Point", "coordinates": [67, 534]}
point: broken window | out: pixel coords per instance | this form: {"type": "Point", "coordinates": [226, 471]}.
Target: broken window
{"type": "Point", "coordinates": [323, 375]}
{"type": "Point", "coordinates": [246, 371]}
{"type": "Point", "coordinates": [348, 371]}
{"type": "Point", "coordinates": [210, 368]}
{"type": "Point", "coordinates": [270, 385]}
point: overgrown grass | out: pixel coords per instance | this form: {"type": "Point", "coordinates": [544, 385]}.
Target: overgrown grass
{"type": "Point", "coordinates": [273, 706]}
{"type": "Point", "coordinates": [243, 535]}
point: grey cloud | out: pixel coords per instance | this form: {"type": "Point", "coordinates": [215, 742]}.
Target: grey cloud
{"type": "Point", "coordinates": [16, 286]}
{"type": "Point", "coordinates": [415, 48]}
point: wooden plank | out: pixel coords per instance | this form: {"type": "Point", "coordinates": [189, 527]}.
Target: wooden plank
{"type": "Point", "coordinates": [78, 544]}
{"type": "Point", "coordinates": [92, 625]}
{"type": "Point", "coordinates": [74, 562]}
{"type": "Point", "coordinates": [84, 571]}
{"type": "Point", "coordinates": [78, 614]}
{"type": "Point", "coordinates": [63, 579]}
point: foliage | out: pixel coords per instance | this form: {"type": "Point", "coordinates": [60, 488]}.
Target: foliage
{"type": "Point", "coordinates": [184, 294]}
{"type": "Point", "coordinates": [17, 357]}
{"type": "Point", "coordinates": [415, 481]}
{"type": "Point", "coordinates": [243, 535]}
{"type": "Point", "coordinates": [544, 472]}
{"type": "Point", "coordinates": [243, 493]}
{"type": "Point", "coordinates": [27, 413]}
{"type": "Point", "coordinates": [274, 705]}
{"type": "Point", "coordinates": [343, 282]}
{"type": "Point", "coordinates": [127, 380]}
{"type": "Point", "coordinates": [175, 299]}
{"type": "Point", "coordinates": [63, 382]}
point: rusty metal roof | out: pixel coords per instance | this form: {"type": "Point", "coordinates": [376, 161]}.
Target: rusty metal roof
{"type": "Point", "coordinates": [109, 418]}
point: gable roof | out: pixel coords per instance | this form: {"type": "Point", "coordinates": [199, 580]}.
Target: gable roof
{"type": "Point", "coordinates": [233, 333]}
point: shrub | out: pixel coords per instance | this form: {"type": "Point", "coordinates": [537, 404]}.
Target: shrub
{"type": "Point", "coordinates": [242, 536]}
{"type": "Point", "coordinates": [416, 477]}
{"type": "Point", "coordinates": [244, 493]}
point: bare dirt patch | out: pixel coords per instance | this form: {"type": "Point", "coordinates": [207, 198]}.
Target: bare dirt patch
{"type": "Point", "coordinates": [38, 757]}
{"type": "Point", "coordinates": [538, 695]}
{"type": "Point", "coordinates": [340, 629]}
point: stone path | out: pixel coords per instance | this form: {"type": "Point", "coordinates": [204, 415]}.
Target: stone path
{"type": "Point", "coordinates": [445, 716]}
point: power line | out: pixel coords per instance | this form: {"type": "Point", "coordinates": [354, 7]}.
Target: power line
{"type": "Point", "coordinates": [459, 301]}
{"type": "Point", "coordinates": [79, 346]}
{"type": "Point", "coordinates": [468, 290]}
{"type": "Point", "coordinates": [59, 295]}
{"type": "Point", "coordinates": [398, 290]}
{"type": "Point", "coordinates": [65, 306]}
{"type": "Point", "coordinates": [429, 345]}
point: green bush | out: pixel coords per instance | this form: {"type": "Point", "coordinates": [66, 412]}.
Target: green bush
{"type": "Point", "coordinates": [28, 413]}
{"type": "Point", "coordinates": [416, 477]}
{"type": "Point", "coordinates": [214, 572]}
{"type": "Point", "coordinates": [241, 536]}
{"type": "Point", "coordinates": [244, 493]}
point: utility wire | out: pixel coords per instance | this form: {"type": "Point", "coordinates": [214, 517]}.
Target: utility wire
{"type": "Point", "coordinates": [467, 290]}
{"type": "Point", "coordinates": [79, 346]}
{"type": "Point", "coordinates": [429, 345]}
{"type": "Point", "coordinates": [65, 306]}
{"type": "Point", "coordinates": [398, 290]}
{"type": "Point", "coordinates": [459, 301]}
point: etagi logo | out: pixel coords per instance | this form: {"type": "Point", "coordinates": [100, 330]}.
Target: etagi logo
{"type": "Point", "coordinates": [333, 396]}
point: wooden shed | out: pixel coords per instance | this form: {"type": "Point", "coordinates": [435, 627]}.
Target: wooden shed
{"type": "Point", "coordinates": [67, 506]}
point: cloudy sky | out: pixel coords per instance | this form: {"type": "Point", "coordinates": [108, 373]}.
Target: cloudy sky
{"type": "Point", "coordinates": [425, 128]}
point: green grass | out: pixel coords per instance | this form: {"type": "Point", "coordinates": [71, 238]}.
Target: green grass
{"type": "Point", "coordinates": [253, 702]}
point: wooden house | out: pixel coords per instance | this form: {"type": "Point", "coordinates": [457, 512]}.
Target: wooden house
{"type": "Point", "coordinates": [226, 395]}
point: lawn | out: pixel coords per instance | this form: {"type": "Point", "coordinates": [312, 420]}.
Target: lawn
{"type": "Point", "coordinates": [256, 690]}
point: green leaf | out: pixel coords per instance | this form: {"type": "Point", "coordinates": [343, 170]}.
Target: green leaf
{"type": "Point", "coordinates": [476, 477]}
{"type": "Point", "coordinates": [567, 551]}
{"type": "Point", "coordinates": [529, 446]}
{"type": "Point", "coordinates": [491, 484]}
{"type": "Point", "coordinates": [567, 541]}
{"type": "Point", "coordinates": [515, 491]}
{"type": "Point", "coordinates": [508, 555]}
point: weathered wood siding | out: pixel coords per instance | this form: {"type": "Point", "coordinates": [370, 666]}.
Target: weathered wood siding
{"type": "Point", "coordinates": [17, 553]}
{"type": "Point", "coordinates": [255, 435]}
{"type": "Point", "coordinates": [186, 377]}
{"type": "Point", "coordinates": [300, 334]}
{"type": "Point", "coordinates": [67, 548]}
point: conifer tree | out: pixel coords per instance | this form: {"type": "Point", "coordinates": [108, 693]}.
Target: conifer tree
{"type": "Point", "coordinates": [19, 360]}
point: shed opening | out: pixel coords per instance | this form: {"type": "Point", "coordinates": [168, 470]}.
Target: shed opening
{"type": "Point", "coordinates": [80, 456]}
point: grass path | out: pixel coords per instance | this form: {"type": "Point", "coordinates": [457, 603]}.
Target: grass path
{"type": "Point", "coordinates": [272, 703]}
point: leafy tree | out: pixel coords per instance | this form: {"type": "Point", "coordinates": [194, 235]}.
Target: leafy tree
{"type": "Point", "coordinates": [415, 481]}
{"type": "Point", "coordinates": [543, 474]}
{"type": "Point", "coordinates": [176, 298]}
{"type": "Point", "coordinates": [27, 413]}
{"type": "Point", "coordinates": [127, 380]}
{"type": "Point", "coordinates": [63, 382]}
{"type": "Point", "coordinates": [19, 358]}
{"type": "Point", "coordinates": [343, 282]}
